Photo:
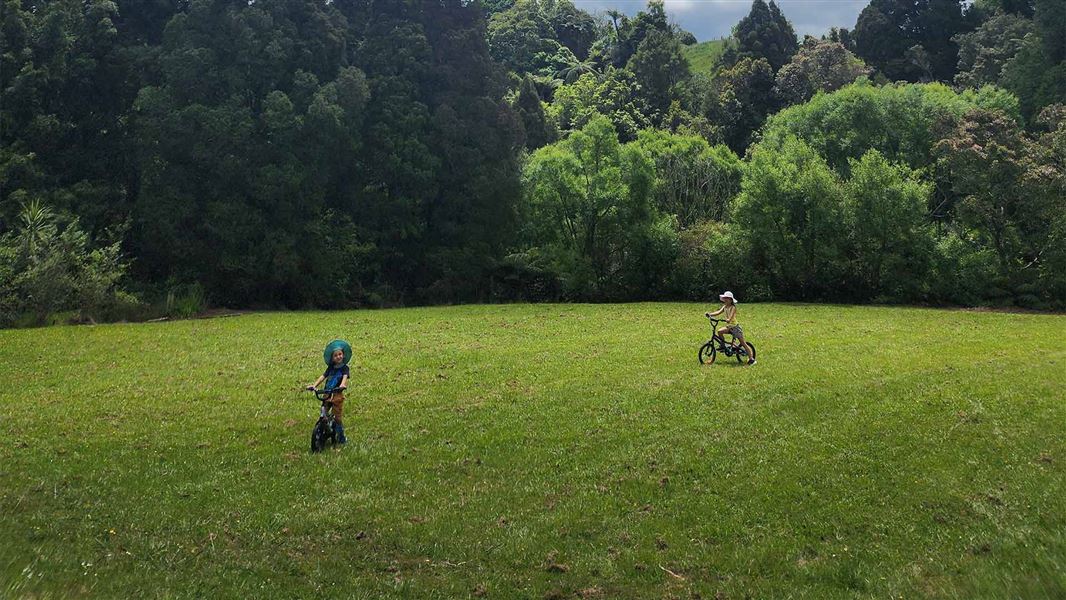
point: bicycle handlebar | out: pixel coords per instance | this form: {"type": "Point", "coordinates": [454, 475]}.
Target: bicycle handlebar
{"type": "Point", "coordinates": [324, 394]}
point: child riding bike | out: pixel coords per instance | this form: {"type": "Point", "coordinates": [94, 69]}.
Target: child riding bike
{"type": "Point", "coordinates": [337, 354]}
{"type": "Point", "coordinates": [732, 327]}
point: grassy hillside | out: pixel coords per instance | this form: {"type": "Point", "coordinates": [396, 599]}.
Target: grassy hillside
{"type": "Point", "coordinates": [539, 451]}
{"type": "Point", "coordinates": [701, 56]}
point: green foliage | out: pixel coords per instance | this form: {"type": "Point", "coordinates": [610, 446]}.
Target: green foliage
{"type": "Point", "coordinates": [792, 209]}
{"type": "Point", "coordinates": [659, 68]}
{"type": "Point", "coordinates": [984, 51]}
{"type": "Point", "coordinates": [613, 95]}
{"type": "Point", "coordinates": [713, 256]}
{"type": "Point", "coordinates": [47, 266]}
{"type": "Point", "coordinates": [694, 181]}
{"type": "Point", "coordinates": [911, 41]}
{"type": "Point", "coordinates": [737, 101]}
{"type": "Point", "coordinates": [533, 35]}
{"type": "Point", "coordinates": [892, 242]}
{"type": "Point", "coordinates": [1035, 80]}
{"type": "Point", "coordinates": [819, 66]}
{"type": "Point", "coordinates": [65, 86]}
{"type": "Point", "coordinates": [1011, 195]}
{"type": "Point", "coordinates": [538, 130]}
{"type": "Point", "coordinates": [846, 124]}
{"type": "Point", "coordinates": [630, 33]}
{"type": "Point", "coordinates": [590, 209]}
{"type": "Point", "coordinates": [764, 33]}
{"type": "Point", "coordinates": [966, 273]}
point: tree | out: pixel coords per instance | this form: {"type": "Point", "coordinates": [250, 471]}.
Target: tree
{"type": "Point", "coordinates": [892, 241]}
{"type": "Point", "coordinates": [236, 177]}
{"type": "Point", "coordinates": [525, 36]}
{"type": "Point", "coordinates": [1037, 73]}
{"type": "Point", "coordinates": [764, 33]}
{"type": "Point", "coordinates": [614, 95]}
{"type": "Point", "coordinates": [629, 33]}
{"type": "Point", "coordinates": [64, 95]}
{"type": "Point", "coordinates": [791, 210]}
{"type": "Point", "coordinates": [589, 204]}
{"type": "Point", "coordinates": [474, 137]}
{"type": "Point", "coordinates": [819, 66]}
{"type": "Point", "coordinates": [842, 36]}
{"type": "Point", "coordinates": [984, 52]}
{"type": "Point", "coordinates": [738, 99]}
{"type": "Point", "coordinates": [991, 162]}
{"type": "Point", "coordinates": [48, 266]}
{"type": "Point", "coordinates": [847, 123]}
{"type": "Point", "coordinates": [538, 130]}
{"type": "Point", "coordinates": [694, 181]}
{"type": "Point", "coordinates": [517, 35]}
{"type": "Point", "coordinates": [659, 67]}
{"type": "Point", "coordinates": [911, 40]}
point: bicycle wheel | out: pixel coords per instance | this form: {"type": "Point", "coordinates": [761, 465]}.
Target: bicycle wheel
{"type": "Point", "coordinates": [319, 435]}
{"type": "Point", "coordinates": [742, 354]}
{"type": "Point", "coordinates": [708, 353]}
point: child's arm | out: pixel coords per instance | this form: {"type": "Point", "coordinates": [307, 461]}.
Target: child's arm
{"type": "Point", "coordinates": [314, 385]}
{"type": "Point", "coordinates": [715, 313]}
{"type": "Point", "coordinates": [344, 383]}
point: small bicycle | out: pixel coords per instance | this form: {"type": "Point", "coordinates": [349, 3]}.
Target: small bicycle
{"type": "Point", "coordinates": [323, 432]}
{"type": "Point", "coordinates": [710, 350]}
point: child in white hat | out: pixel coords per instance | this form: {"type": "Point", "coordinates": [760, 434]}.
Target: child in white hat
{"type": "Point", "coordinates": [729, 312]}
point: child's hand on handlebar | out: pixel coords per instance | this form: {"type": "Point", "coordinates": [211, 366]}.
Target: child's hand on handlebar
{"type": "Point", "coordinates": [310, 388]}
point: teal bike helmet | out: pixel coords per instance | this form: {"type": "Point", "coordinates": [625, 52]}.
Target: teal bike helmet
{"type": "Point", "coordinates": [327, 354]}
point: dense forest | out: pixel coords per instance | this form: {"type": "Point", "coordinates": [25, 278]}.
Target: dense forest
{"type": "Point", "coordinates": [159, 156]}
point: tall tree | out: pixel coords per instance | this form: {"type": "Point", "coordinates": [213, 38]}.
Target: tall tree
{"type": "Point", "coordinates": [911, 40]}
{"type": "Point", "coordinates": [538, 130]}
{"type": "Point", "coordinates": [589, 200]}
{"type": "Point", "coordinates": [738, 100]}
{"type": "Point", "coordinates": [984, 52]}
{"type": "Point", "coordinates": [474, 138]}
{"type": "Point", "coordinates": [659, 68]}
{"type": "Point", "coordinates": [819, 66]}
{"type": "Point", "coordinates": [764, 33]}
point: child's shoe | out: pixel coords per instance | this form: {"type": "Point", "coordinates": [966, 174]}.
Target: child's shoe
{"type": "Point", "coordinates": [338, 433]}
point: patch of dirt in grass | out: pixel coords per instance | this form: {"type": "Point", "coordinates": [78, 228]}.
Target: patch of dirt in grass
{"type": "Point", "coordinates": [807, 557]}
{"type": "Point", "coordinates": [1045, 458]}
{"type": "Point", "coordinates": [552, 564]}
{"type": "Point", "coordinates": [590, 592]}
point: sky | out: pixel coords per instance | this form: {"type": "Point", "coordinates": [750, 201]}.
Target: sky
{"type": "Point", "coordinates": [712, 19]}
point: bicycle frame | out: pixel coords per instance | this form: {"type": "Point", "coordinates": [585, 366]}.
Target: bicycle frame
{"type": "Point", "coordinates": [725, 347]}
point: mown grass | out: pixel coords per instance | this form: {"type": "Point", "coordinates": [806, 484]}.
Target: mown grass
{"type": "Point", "coordinates": [533, 451]}
{"type": "Point", "coordinates": [702, 56]}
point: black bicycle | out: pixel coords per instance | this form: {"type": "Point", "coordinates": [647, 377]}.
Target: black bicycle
{"type": "Point", "coordinates": [323, 433]}
{"type": "Point", "coordinates": [710, 350]}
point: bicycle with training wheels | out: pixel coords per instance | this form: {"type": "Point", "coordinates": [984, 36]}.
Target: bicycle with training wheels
{"type": "Point", "coordinates": [323, 433]}
{"type": "Point", "coordinates": [718, 344]}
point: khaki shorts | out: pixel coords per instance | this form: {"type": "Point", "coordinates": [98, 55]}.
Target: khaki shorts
{"type": "Point", "coordinates": [337, 398]}
{"type": "Point", "coordinates": [736, 331]}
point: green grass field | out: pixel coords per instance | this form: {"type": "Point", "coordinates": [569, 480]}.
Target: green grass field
{"type": "Point", "coordinates": [702, 56]}
{"type": "Point", "coordinates": [538, 451]}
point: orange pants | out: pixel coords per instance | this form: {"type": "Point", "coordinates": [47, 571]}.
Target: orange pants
{"type": "Point", "coordinates": [337, 398]}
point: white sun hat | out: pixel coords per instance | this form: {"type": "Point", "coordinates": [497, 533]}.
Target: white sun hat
{"type": "Point", "coordinates": [728, 295]}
